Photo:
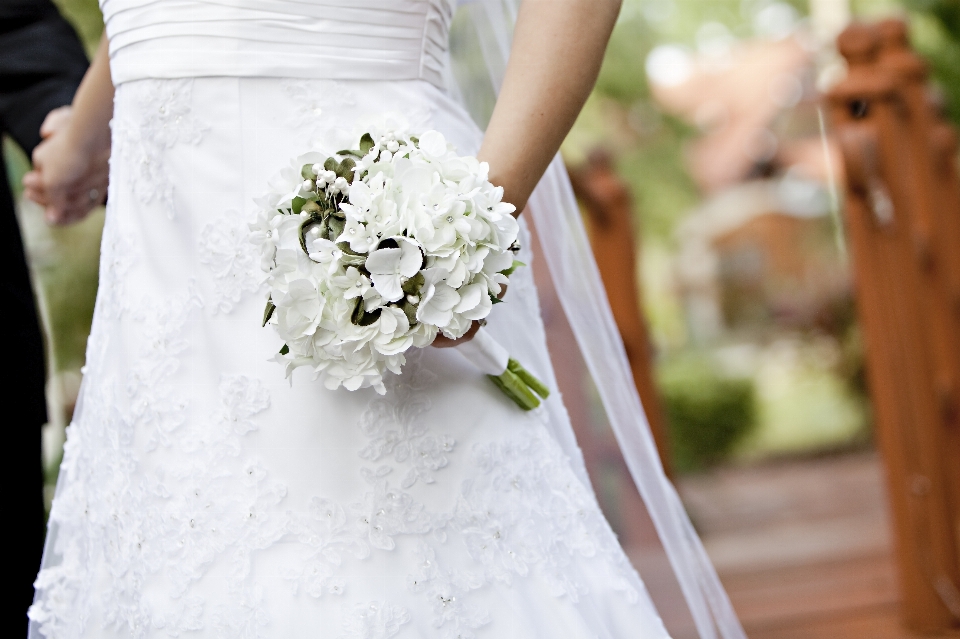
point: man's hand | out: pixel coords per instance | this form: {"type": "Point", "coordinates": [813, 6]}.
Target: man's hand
{"type": "Point", "coordinates": [67, 179]}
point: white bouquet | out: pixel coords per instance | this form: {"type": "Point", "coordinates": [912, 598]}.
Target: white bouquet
{"type": "Point", "coordinates": [373, 251]}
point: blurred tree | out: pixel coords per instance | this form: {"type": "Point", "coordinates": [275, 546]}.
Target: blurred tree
{"type": "Point", "coordinates": [935, 27]}
{"type": "Point", "coordinates": [86, 19]}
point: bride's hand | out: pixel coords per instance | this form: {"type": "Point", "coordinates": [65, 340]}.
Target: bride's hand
{"type": "Point", "coordinates": [68, 180]}
{"type": "Point", "coordinates": [446, 342]}
{"type": "Point", "coordinates": [70, 166]}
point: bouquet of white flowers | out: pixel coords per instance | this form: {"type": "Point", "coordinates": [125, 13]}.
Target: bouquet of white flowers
{"type": "Point", "coordinates": [372, 251]}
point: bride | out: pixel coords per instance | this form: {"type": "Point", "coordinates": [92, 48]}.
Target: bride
{"type": "Point", "coordinates": [201, 494]}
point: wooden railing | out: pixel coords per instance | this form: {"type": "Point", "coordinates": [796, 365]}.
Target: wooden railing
{"type": "Point", "coordinates": [903, 221]}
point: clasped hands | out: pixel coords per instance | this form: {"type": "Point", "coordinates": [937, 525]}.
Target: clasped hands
{"type": "Point", "coordinates": [69, 179]}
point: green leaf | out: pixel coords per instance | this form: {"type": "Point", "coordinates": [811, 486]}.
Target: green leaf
{"type": "Point", "coordinates": [335, 226]}
{"type": "Point", "coordinates": [268, 311]}
{"type": "Point", "coordinates": [345, 169]}
{"type": "Point", "coordinates": [509, 271]}
{"type": "Point", "coordinates": [351, 152]}
{"type": "Point", "coordinates": [350, 257]}
{"type": "Point", "coordinates": [284, 350]}
{"type": "Point", "coordinates": [297, 205]}
{"type": "Point", "coordinates": [306, 172]}
{"type": "Point", "coordinates": [366, 143]}
{"type": "Point", "coordinates": [303, 234]}
{"type": "Point", "coordinates": [494, 299]}
{"type": "Point", "coordinates": [410, 310]}
{"type": "Point", "coordinates": [330, 164]}
{"type": "Point", "coordinates": [413, 285]}
{"type": "Point", "coordinates": [361, 317]}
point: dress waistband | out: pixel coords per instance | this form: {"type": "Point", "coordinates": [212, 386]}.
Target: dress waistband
{"type": "Point", "coordinates": [330, 39]}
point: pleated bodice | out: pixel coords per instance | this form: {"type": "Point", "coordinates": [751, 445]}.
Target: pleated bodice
{"type": "Point", "coordinates": [319, 39]}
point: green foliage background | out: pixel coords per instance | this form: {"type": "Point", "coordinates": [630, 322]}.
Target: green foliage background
{"type": "Point", "coordinates": [708, 412]}
{"type": "Point", "coordinates": [935, 30]}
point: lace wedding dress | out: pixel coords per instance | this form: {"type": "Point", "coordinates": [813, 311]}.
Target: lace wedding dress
{"type": "Point", "coordinates": [203, 495]}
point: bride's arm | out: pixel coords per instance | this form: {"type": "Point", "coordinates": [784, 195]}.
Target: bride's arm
{"type": "Point", "coordinates": [558, 46]}
{"type": "Point", "coordinates": [70, 166]}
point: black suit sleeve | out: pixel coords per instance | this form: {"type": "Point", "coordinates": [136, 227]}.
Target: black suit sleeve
{"type": "Point", "coordinates": [41, 65]}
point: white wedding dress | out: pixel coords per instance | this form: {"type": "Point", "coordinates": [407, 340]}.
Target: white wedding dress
{"type": "Point", "coordinates": [203, 495]}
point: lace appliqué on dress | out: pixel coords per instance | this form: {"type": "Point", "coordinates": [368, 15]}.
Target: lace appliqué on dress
{"type": "Point", "coordinates": [167, 120]}
{"type": "Point", "coordinates": [232, 260]}
{"type": "Point", "coordinates": [395, 428]}
{"type": "Point", "coordinates": [117, 257]}
{"type": "Point", "coordinates": [445, 592]}
{"type": "Point", "coordinates": [376, 620]}
{"type": "Point", "coordinates": [310, 98]}
{"type": "Point", "coordinates": [181, 515]}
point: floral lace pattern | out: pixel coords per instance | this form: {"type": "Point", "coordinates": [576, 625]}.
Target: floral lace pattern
{"type": "Point", "coordinates": [166, 120]}
{"type": "Point", "coordinates": [311, 97]}
{"type": "Point", "coordinates": [174, 522]}
{"type": "Point", "coordinates": [375, 620]}
{"type": "Point", "coordinates": [522, 512]}
{"type": "Point", "coordinates": [395, 429]}
{"type": "Point", "coordinates": [231, 260]}
{"type": "Point", "coordinates": [116, 260]}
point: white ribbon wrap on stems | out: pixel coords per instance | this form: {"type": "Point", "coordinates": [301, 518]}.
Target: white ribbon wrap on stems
{"type": "Point", "coordinates": [485, 353]}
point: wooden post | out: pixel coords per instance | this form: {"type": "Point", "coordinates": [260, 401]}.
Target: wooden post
{"type": "Point", "coordinates": [610, 209]}
{"type": "Point", "coordinates": [898, 245]}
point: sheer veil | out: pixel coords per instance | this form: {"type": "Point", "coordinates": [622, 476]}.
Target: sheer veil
{"type": "Point", "coordinates": [479, 51]}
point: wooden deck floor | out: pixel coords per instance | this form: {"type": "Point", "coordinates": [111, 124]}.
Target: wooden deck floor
{"type": "Point", "coordinates": [803, 547]}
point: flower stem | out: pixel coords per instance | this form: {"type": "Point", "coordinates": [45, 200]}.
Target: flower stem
{"type": "Point", "coordinates": [519, 384]}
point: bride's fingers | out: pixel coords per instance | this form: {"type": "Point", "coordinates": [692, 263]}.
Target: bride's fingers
{"type": "Point", "coordinates": [76, 204]}
{"type": "Point", "coordinates": [56, 120]}
{"type": "Point", "coordinates": [63, 216]}
{"type": "Point", "coordinates": [446, 342]}
{"type": "Point", "coordinates": [34, 189]}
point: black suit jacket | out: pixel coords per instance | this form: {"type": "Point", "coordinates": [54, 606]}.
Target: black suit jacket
{"type": "Point", "coordinates": [41, 65]}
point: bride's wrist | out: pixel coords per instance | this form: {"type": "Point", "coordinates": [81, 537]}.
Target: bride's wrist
{"type": "Point", "coordinates": [86, 141]}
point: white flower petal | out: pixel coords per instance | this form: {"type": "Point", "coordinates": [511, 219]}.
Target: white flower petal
{"type": "Point", "coordinates": [433, 143]}
{"type": "Point", "coordinates": [385, 261]}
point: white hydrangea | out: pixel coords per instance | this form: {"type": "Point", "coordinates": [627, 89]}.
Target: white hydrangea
{"type": "Point", "coordinates": [371, 252]}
